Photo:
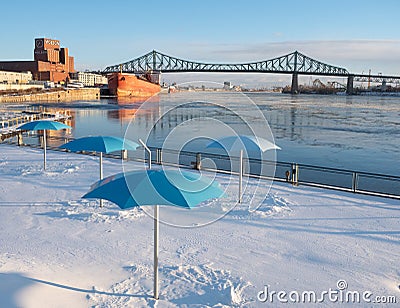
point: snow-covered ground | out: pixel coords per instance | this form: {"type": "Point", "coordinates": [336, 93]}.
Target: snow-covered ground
{"type": "Point", "coordinates": [58, 250]}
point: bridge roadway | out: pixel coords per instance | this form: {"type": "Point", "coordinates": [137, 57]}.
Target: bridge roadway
{"type": "Point", "coordinates": [294, 63]}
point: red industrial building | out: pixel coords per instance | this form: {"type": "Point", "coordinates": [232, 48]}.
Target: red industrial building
{"type": "Point", "coordinates": [51, 63]}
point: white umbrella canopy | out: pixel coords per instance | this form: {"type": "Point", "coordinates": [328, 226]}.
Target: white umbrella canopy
{"type": "Point", "coordinates": [239, 143]}
{"type": "Point", "coordinates": [243, 142]}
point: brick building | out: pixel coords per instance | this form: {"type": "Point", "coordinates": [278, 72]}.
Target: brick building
{"type": "Point", "coordinates": [51, 63]}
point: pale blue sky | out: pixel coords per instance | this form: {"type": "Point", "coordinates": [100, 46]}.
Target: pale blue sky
{"type": "Point", "coordinates": [356, 34]}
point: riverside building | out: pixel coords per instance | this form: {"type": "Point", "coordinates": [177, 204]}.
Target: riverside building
{"type": "Point", "coordinates": [51, 62]}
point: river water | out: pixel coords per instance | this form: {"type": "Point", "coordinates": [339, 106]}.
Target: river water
{"type": "Point", "coordinates": [359, 133]}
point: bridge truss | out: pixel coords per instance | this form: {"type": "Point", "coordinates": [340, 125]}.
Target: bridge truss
{"type": "Point", "coordinates": [377, 79]}
{"type": "Point", "coordinates": [293, 63]}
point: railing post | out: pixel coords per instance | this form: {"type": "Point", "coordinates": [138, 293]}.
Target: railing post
{"type": "Point", "coordinates": [295, 174]}
{"type": "Point", "coordinates": [354, 182]}
{"type": "Point", "coordinates": [20, 141]}
{"type": "Point", "coordinates": [292, 173]}
{"type": "Point", "coordinates": [158, 156]}
{"type": "Point", "coordinates": [198, 161]}
{"type": "Point", "coordinates": [124, 154]}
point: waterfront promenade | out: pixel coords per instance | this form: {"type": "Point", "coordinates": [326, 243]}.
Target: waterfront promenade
{"type": "Point", "coordinates": [61, 250]}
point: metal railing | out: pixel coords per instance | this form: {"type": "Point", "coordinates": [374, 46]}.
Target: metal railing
{"type": "Point", "coordinates": [10, 124]}
{"type": "Point", "coordinates": [295, 174]}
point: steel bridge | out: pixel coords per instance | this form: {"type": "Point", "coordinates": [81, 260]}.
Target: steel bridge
{"type": "Point", "coordinates": [294, 63]}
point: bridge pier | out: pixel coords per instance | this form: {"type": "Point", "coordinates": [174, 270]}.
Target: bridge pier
{"type": "Point", "coordinates": [295, 84]}
{"type": "Point", "coordinates": [350, 85]}
{"type": "Point", "coordinates": [153, 76]}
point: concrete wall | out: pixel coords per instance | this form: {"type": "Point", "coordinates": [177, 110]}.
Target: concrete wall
{"type": "Point", "coordinates": [58, 96]}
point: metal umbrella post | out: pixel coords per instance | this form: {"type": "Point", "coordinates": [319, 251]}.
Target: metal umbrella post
{"type": "Point", "coordinates": [156, 235]}
{"type": "Point", "coordinates": [240, 175]}
{"type": "Point", "coordinates": [101, 174]}
{"type": "Point", "coordinates": [44, 149]}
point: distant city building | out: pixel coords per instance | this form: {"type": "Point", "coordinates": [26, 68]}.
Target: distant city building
{"type": "Point", "coordinates": [15, 77]}
{"type": "Point", "coordinates": [89, 79]}
{"type": "Point", "coordinates": [227, 85]}
{"type": "Point", "coordinates": [51, 63]}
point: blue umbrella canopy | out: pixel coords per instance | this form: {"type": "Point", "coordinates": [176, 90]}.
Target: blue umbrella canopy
{"type": "Point", "coordinates": [243, 142]}
{"type": "Point", "coordinates": [155, 187]}
{"type": "Point", "coordinates": [103, 144]}
{"type": "Point", "coordinates": [43, 125]}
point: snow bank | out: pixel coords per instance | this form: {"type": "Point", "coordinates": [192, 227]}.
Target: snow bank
{"type": "Point", "coordinates": [58, 250]}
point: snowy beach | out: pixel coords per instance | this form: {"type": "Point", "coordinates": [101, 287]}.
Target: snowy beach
{"type": "Point", "coordinates": [58, 250]}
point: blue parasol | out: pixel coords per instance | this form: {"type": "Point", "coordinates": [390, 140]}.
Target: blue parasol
{"type": "Point", "coordinates": [155, 187]}
{"type": "Point", "coordinates": [44, 125]}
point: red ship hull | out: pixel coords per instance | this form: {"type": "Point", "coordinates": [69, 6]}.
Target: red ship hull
{"type": "Point", "coordinates": [124, 85]}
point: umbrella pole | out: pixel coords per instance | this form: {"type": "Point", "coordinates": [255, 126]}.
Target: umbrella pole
{"type": "Point", "coordinates": [156, 234]}
{"type": "Point", "coordinates": [44, 150]}
{"type": "Point", "coordinates": [148, 151]}
{"type": "Point", "coordinates": [101, 174]}
{"type": "Point", "coordinates": [240, 175]}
